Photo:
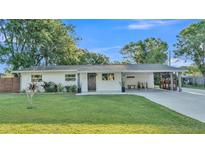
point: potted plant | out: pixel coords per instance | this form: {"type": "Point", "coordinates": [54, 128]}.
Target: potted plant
{"type": "Point", "coordinates": [142, 85]}
{"type": "Point", "coordinates": [122, 83]}
{"type": "Point", "coordinates": [138, 85]}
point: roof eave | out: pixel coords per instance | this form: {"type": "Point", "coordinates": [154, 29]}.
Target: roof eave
{"type": "Point", "coordinates": [40, 71]}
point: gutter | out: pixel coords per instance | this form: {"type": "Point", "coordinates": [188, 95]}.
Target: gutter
{"type": "Point", "coordinates": [123, 71]}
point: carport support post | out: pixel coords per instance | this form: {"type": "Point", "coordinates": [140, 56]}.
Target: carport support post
{"type": "Point", "coordinates": [171, 79]}
{"type": "Point", "coordinates": [179, 81]}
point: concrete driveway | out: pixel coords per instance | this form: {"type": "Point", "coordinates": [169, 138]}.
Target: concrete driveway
{"type": "Point", "coordinates": [190, 102]}
{"type": "Point", "coordinates": [194, 91]}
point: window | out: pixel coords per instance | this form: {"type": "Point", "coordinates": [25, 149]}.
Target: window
{"type": "Point", "coordinates": [70, 77]}
{"type": "Point", "coordinates": [108, 76]}
{"type": "Point", "coordinates": [131, 77]}
{"type": "Point", "coordinates": [36, 78]}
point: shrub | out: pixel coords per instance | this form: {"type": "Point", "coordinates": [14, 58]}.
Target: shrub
{"type": "Point", "coordinates": [138, 85]}
{"type": "Point", "coordinates": [71, 88]}
{"type": "Point", "coordinates": [49, 87]}
{"type": "Point", "coordinates": [23, 91]}
{"type": "Point", "coordinates": [60, 87]}
{"type": "Point", "coordinates": [146, 85]}
{"type": "Point", "coordinates": [142, 85]}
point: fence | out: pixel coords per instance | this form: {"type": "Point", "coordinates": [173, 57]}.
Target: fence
{"type": "Point", "coordinates": [10, 84]}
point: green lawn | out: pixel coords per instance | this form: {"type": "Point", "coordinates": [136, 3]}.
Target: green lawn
{"type": "Point", "coordinates": [63, 113]}
{"type": "Point", "coordinates": [195, 86]}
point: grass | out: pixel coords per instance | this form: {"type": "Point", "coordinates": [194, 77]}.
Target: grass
{"type": "Point", "coordinates": [113, 114]}
{"type": "Point", "coordinates": [195, 86]}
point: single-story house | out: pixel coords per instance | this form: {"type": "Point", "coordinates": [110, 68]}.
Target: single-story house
{"type": "Point", "coordinates": [193, 80]}
{"type": "Point", "coordinates": [97, 77]}
{"type": "Point", "coordinates": [1, 74]}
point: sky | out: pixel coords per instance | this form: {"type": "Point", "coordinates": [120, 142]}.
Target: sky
{"type": "Point", "coordinates": [109, 36]}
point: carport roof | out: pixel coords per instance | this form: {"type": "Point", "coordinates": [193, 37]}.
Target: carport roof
{"type": "Point", "coordinates": [104, 68]}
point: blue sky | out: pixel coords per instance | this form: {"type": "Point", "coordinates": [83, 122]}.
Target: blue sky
{"type": "Point", "coordinates": [109, 36]}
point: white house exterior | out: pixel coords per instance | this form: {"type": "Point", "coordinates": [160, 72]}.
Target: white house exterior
{"type": "Point", "coordinates": [95, 77]}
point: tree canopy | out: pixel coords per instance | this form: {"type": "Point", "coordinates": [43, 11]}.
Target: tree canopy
{"type": "Point", "coordinates": [192, 70]}
{"type": "Point", "coordinates": [25, 43]}
{"type": "Point", "coordinates": [93, 58]}
{"type": "Point", "coordinates": [191, 44]}
{"type": "Point", "coordinates": [151, 50]}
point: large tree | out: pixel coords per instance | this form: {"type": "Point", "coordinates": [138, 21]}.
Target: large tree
{"type": "Point", "coordinates": [191, 45]}
{"type": "Point", "coordinates": [151, 50]}
{"type": "Point", "coordinates": [87, 57]}
{"type": "Point", "coordinates": [25, 43]}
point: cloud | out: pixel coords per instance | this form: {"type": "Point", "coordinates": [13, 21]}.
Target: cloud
{"type": "Point", "coordinates": [139, 26]}
{"type": "Point", "coordinates": [112, 52]}
{"type": "Point", "coordinates": [148, 24]}
{"type": "Point", "coordinates": [105, 49]}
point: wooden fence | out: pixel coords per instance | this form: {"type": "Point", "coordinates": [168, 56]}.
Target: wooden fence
{"type": "Point", "coordinates": [10, 85]}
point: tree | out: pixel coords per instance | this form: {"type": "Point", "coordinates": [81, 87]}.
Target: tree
{"type": "Point", "coordinates": [151, 50]}
{"type": "Point", "coordinates": [120, 62]}
{"type": "Point", "coordinates": [192, 70]}
{"type": "Point", "coordinates": [30, 92]}
{"type": "Point", "coordinates": [93, 58]}
{"type": "Point", "coordinates": [191, 45]}
{"type": "Point", "coordinates": [25, 43]}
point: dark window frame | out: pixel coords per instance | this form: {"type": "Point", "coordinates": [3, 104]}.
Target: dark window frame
{"type": "Point", "coordinates": [108, 76]}
{"type": "Point", "coordinates": [70, 77]}
{"type": "Point", "coordinates": [36, 78]}
{"type": "Point", "coordinates": [130, 77]}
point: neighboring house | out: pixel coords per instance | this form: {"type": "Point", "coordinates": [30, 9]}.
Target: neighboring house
{"type": "Point", "coordinates": [193, 80]}
{"type": "Point", "coordinates": [96, 77]}
{"type": "Point", "coordinates": [1, 74]}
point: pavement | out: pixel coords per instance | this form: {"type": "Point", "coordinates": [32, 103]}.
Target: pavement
{"type": "Point", "coordinates": [194, 91]}
{"type": "Point", "coordinates": [190, 102]}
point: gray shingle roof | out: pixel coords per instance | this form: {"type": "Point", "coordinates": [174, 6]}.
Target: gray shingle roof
{"type": "Point", "coordinates": [111, 67]}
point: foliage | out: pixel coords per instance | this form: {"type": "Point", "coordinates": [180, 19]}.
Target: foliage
{"type": "Point", "coordinates": [30, 91]}
{"type": "Point", "coordinates": [191, 45]}
{"type": "Point", "coordinates": [50, 87]}
{"type": "Point", "coordinates": [23, 91]}
{"type": "Point", "coordinates": [151, 50]}
{"type": "Point", "coordinates": [121, 62]}
{"type": "Point", "coordinates": [64, 113]}
{"type": "Point", "coordinates": [156, 78]}
{"type": "Point", "coordinates": [192, 70]}
{"type": "Point", "coordinates": [71, 88]}
{"type": "Point", "coordinates": [194, 86]}
{"type": "Point", "coordinates": [93, 58]}
{"type": "Point", "coordinates": [28, 43]}
{"type": "Point", "coordinates": [60, 88]}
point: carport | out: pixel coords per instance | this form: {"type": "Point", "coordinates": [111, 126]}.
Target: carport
{"type": "Point", "coordinates": [169, 78]}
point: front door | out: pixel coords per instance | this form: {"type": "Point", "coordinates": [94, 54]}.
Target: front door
{"type": "Point", "coordinates": [91, 81]}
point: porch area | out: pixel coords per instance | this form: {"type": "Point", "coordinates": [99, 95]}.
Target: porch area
{"type": "Point", "coordinates": [121, 82]}
{"type": "Point", "coordinates": [149, 81]}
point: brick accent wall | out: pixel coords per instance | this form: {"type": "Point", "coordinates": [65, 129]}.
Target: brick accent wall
{"type": "Point", "coordinates": [10, 85]}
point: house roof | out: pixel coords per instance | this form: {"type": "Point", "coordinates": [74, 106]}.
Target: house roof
{"type": "Point", "coordinates": [1, 74]}
{"type": "Point", "coordinates": [105, 68]}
